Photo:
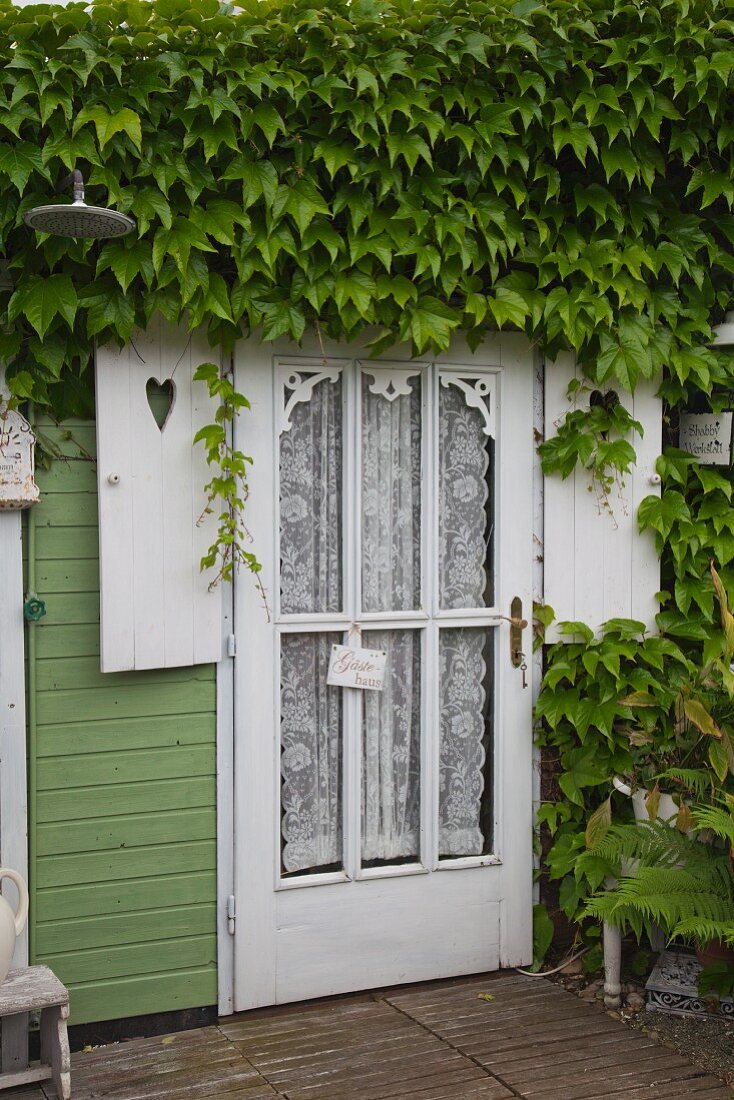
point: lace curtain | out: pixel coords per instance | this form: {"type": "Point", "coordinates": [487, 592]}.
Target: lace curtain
{"type": "Point", "coordinates": [311, 754]}
{"type": "Point", "coordinates": [391, 739]}
{"type": "Point", "coordinates": [465, 580]}
{"type": "Point", "coordinates": [311, 582]}
{"type": "Point", "coordinates": [311, 504]}
{"type": "Point", "coordinates": [464, 827]}
{"type": "Point", "coordinates": [465, 527]}
{"type": "Point", "coordinates": [391, 499]}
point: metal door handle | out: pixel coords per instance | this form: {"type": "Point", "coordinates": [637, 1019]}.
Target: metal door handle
{"type": "Point", "coordinates": [517, 625]}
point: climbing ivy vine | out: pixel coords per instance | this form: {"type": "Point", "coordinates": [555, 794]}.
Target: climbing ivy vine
{"type": "Point", "coordinates": [411, 168]}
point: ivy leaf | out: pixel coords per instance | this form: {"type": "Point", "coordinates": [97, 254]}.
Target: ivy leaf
{"type": "Point", "coordinates": [149, 203]}
{"type": "Point", "coordinates": [107, 310]}
{"type": "Point", "coordinates": [578, 136]}
{"type": "Point", "coordinates": [410, 147]}
{"type": "Point", "coordinates": [620, 158]}
{"type": "Point", "coordinates": [281, 319]}
{"type": "Point", "coordinates": [662, 512]}
{"type": "Point", "coordinates": [267, 119]}
{"type": "Point", "coordinates": [259, 178]}
{"type": "Point", "coordinates": [217, 298]}
{"type": "Point", "coordinates": [356, 288]}
{"type": "Point", "coordinates": [335, 154]}
{"type": "Point", "coordinates": [430, 323]}
{"type": "Point", "coordinates": [508, 305]}
{"type": "Point", "coordinates": [42, 298]}
{"type": "Point", "coordinates": [19, 160]}
{"type": "Point", "coordinates": [304, 203]}
{"type": "Point", "coordinates": [107, 125]}
{"type": "Point", "coordinates": [127, 261]}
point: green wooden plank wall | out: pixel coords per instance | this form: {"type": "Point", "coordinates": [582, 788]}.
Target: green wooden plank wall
{"type": "Point", "coordinates": [125, 786]}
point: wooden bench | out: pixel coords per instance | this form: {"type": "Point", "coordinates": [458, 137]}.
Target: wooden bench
{"type": "Point", "coordinates": [31, 989]}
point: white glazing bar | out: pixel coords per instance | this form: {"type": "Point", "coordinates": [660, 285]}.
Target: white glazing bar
{"type": "Point", "coordinates": [473, 616]}
{"type": "Point", "coordinates": [462, 863]}
{"type": "Point", "coordinates": [323, 878]}
{"type": "Point", "coordinates": [352, 714]}
{"type": "Point", "coordinates": [394, 620]}
{"type": "Point", "coordinates": [393, 870]}
{"type": "Point", "coordinates": [430, 732]}
{"type": "Point", "coordinates": [313, 624]}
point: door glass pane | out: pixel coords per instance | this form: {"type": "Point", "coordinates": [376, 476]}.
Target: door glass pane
{"type": "Point", "coordinates": [311, 504]}
{"type": "Point", "coordinates": [466, 707]}
{"type": "Point", "coordinates": [391, 737]}
{"type": "Point", "coordinates": [466, 505]}
{"type": "Point", "coordinates": [311, 755]}
{"type": "Point", "coordinates": [391, 498]}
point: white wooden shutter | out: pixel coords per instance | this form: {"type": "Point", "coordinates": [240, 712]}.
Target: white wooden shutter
{"type": "Point", "coordinates": [597, 566]}
{"type": "Point", "coordinates": [155, 605]}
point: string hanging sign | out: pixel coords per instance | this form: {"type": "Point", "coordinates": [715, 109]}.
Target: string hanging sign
{"type": "Point", "coordinates": [357, 668]}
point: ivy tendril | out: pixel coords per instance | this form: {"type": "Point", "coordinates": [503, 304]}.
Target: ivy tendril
{"type": "Point", "coordinates": [228, 488]}
{"type": "Point", "coordinates": [596, 438]}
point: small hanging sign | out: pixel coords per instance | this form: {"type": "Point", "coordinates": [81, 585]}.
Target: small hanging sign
{"type": "Point", "coordinates": [707, 436]}
{"type": "Point", "coordinates": [357, 668]}
{"type": "Point", "coordinates": [18, 487]}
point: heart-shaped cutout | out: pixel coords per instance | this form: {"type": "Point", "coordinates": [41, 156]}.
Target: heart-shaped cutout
{"type": "Point", "coordinates": [161, 396]}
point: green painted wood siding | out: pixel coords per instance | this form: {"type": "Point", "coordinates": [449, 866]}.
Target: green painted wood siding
{"type": "Point", "coordinates": [124, 855]}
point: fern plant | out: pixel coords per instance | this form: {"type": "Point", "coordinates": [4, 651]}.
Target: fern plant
{"type": "Point", "coordinates": [681, 882]}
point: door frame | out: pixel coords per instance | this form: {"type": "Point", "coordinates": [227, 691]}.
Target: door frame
{"type": "Point", "coordinates": [233, 704]}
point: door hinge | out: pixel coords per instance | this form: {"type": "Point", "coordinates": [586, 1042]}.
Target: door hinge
{"type": "Point", "coordinates": [231, 915]}
{"type": "Point", "coordinates": [231, 646]}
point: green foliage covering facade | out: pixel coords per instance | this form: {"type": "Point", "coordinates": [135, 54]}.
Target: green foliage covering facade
{"type": "Point", "coordinates": [417, 168]}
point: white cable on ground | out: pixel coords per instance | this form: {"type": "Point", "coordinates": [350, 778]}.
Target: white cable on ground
{"type": "Point", "coordinates": [547, 973]}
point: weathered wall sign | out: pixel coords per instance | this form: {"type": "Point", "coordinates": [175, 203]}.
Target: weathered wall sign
{"type": "Point", "coordinates": [707, 436]}
{"type": "Point", "coordinates": [357, 668]}
{"type": "Point", "coordinates": [18, 488]}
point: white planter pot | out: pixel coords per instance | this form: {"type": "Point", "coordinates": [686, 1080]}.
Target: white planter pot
{"type": "Point", "coordinates": [667, 808]}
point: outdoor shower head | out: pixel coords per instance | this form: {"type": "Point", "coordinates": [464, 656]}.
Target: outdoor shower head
{"type": "Point", "coordinates": [76, 219]}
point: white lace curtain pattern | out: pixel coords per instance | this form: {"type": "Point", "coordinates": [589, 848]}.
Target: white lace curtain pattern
{"type": "Point", "coordinates": [311, 754]}
{"type": "Point", "coordinates": [311, 519]}
{"type": "Point", "coordinates": [465, 528]}
{"type": "Point", "coordinates": [311, 504]}
{"type": "Point", "coordinates": [391, 499]}
{"type": "Point", "coordinates": [391, 742]}
{"type": "Point", "coordinates": [464, 737]}
{"type": "Point", "coordinates": [311, 582]}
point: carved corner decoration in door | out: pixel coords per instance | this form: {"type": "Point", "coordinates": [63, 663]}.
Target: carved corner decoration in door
{"type": "Point", "coordinates": [156, 610]}
{"type": "Point", "coordinates": [391, 381]}
{"type": "Point", "coordinates": [479, 393]}
{"type": "Point", "coordinates": [297, 383]}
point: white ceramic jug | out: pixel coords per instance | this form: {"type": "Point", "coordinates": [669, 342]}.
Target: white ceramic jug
{"type": "Point", "coordinates": [11, 924]}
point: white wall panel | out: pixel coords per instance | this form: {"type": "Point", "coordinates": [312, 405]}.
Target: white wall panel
{"type": "Point", "coordinates": [156, 607]}
{"type": "Point", "coordinates": [597, 565]}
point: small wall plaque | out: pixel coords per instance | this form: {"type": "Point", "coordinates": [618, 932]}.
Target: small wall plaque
{"type": "Point", "coordinates": [707, 436]}
{"type": "Point", "coordinates": [357, 668]}
{"type": "Point", "coordinates": [18, 487]}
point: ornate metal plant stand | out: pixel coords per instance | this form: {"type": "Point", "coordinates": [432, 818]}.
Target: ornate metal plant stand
{"type": "Point", "coordinates": [673, 987]}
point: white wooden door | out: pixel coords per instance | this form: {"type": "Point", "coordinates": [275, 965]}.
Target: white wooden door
{"type": "Point", "coordinates": [383, 837]}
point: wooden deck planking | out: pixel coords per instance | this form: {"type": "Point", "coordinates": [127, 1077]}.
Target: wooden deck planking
{"type": "Point", "coordinates": [440, 1041]}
